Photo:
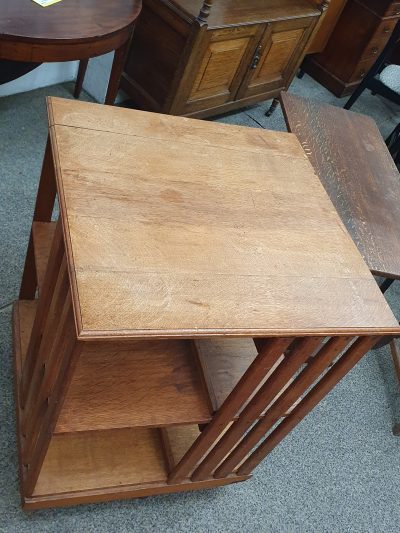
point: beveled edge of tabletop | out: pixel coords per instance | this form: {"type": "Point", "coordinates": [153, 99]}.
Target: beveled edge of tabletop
{"type": "Point", "coordinates": [88, 335]}
{"type": "Point", "coordinates": [193, 333]}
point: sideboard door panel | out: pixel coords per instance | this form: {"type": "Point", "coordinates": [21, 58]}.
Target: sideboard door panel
{"type": "Point", "coordinates": [281, 47]}
{"type": "Point", "coordinates": [224, 62]}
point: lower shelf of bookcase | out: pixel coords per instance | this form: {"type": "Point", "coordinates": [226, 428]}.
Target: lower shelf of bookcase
{"type": "Point", "coordinates": [104, 465]}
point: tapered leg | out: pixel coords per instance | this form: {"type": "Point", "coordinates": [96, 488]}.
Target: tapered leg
{"type": "Point", "coordinates": [274, 105]}
{"type": "Point", "coordinates": [386, 284]}
{"type": "Point", "coordinates": [83, 63]}
{"type": "Point", "coordinates": [116, 72]}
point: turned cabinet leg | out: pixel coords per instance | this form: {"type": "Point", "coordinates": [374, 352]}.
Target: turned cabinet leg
{"type": "Point", "coordinates": [83, 63]}
{"type": "Point", "coordinates": [116, 72]}
{"type": "Point", "coordinates": [274, 105]}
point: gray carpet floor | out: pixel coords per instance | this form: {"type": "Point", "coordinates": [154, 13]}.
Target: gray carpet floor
{"type": "Point", "coordinates": [338, 471]}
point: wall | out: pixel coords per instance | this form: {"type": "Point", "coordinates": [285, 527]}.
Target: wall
{"type": "Point", "coordinates": [95, 83]}
{"type": "Point", "coordinates": [46, 74]}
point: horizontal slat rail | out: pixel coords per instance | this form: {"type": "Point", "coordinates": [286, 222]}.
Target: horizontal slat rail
{"type": "Point", "coordinates": [271, 388]}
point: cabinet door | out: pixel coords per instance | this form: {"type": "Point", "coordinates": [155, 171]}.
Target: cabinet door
{"type": "Point", "coordinates": [278, 55]}
{"type": "Point", "coordinates": [222, 62]}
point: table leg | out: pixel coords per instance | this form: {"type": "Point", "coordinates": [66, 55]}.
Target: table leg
{"type": "Point", "coordinates": [83, 63]}
{"type": "Point", "coordinates": [116, 72]}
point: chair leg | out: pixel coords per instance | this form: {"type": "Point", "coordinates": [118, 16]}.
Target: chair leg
{"type": "Point", "coordinates": [386, 284]}
{"type": "Point", "coordinates": [393, 144]}
{"type": "Point", "coordinates": [274, 105]}
{"type": "Point", "coordinates": [357, 93]}
{"type": "Point", "coordinates": [83, 63]}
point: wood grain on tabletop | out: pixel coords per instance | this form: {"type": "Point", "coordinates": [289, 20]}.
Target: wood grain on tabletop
{"type": "Point", "coordinates": [196, 228]}
{"type": "Point", "coordinates": [349, 155]}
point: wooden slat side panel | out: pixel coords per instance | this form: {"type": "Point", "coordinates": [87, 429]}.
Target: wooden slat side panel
{"type": "Point", "coordinates": [325, 385]}
{"type": "Point", "coordinates": [320, 362]}
{"type": "Point", "coordinates": [48, 362]}
{"type": "Point", "coordinates": [273, 386]}
{"type": "Point", "coordinates": [235, 401]}
{"type": "Point", "coordinates": [66, 354]}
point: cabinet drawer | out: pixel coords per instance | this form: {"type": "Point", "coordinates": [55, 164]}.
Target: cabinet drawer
{"type": "Point", "coordinates": [379, 39]}
{"type": "Point", "coordinates": [362, 69]}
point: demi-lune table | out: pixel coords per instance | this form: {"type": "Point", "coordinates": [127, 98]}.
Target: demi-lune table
{"type": "Point", "coordinates": [198, 296]}
{"type": "Point", "coordinates": [67, 31]}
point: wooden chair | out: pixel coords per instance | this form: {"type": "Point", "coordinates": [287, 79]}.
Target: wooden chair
{"type": "Point", "coordinates": [354, 165]}
{"type": "Point", "coordinates": [378, 79]}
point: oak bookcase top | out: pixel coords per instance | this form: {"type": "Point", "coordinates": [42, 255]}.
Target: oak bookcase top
{"type": "Point", "coordinates": [180, 227]}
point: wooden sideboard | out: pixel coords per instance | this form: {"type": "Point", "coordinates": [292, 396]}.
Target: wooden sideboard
{"type": "Point", "coordinates": [360, 35]}
{"type": "Point", "coordinates": [200, 59]}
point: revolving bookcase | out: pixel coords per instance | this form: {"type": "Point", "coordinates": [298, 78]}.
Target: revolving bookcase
{"type": "Point", "coordinates": [171, 328]}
